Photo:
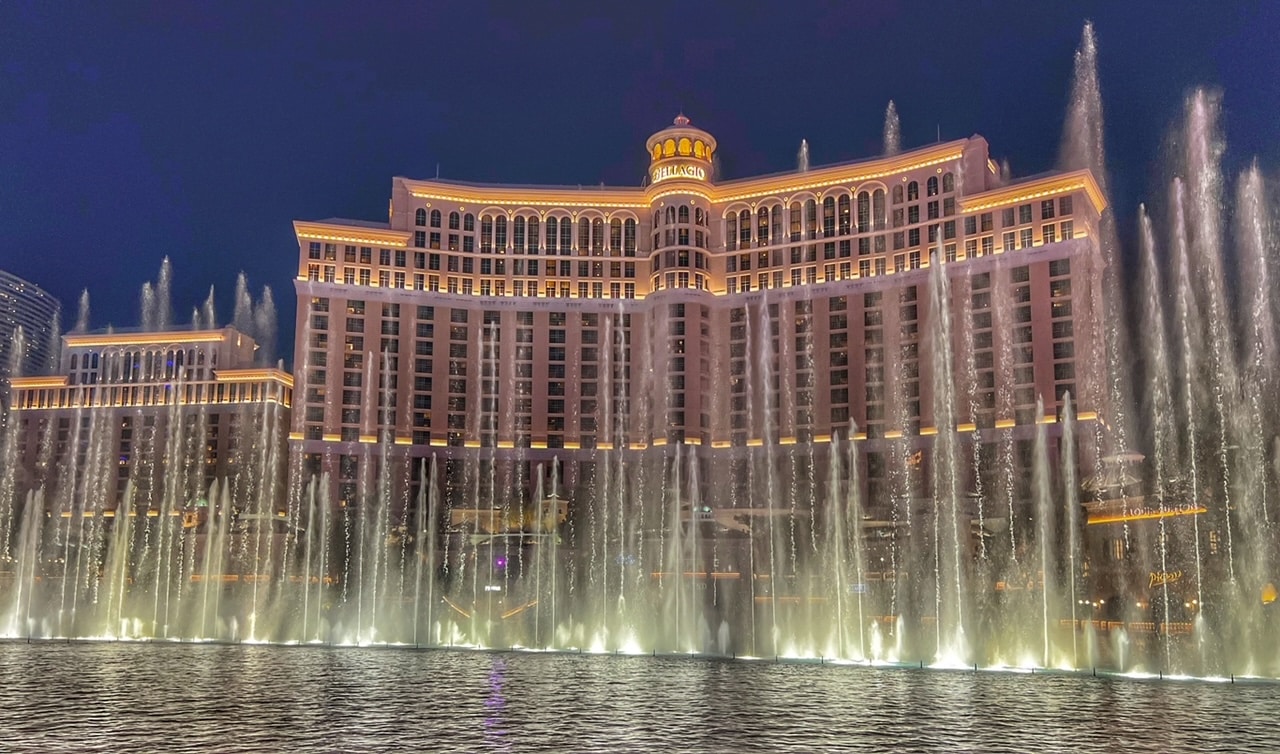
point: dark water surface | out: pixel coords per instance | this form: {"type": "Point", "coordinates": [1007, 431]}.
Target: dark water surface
{"type": "Point", "coordinates": [100, 697]}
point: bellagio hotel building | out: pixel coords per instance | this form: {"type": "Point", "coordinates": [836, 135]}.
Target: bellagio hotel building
{"type": "Point", "coordinates": [500, 328]}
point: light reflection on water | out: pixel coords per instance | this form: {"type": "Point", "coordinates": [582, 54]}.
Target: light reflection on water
{"type": "Point", "coordinates": [100, 697]}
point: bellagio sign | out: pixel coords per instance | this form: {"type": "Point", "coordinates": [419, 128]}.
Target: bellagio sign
{"type": "Point", "coordinates": [666, 172]}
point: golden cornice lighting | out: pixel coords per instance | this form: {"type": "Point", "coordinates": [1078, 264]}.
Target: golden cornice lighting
{"type": "Point", "coordinates": [145, 338]}
{"type": "Point", "coordinates": [253, 375]}
{"type": "Point", "coordinates": [324, 231]}
{"type": "Point", "coordinates": [531, 197]}
{"type": "Point", "coordinates": [35, 383]}
{"type": "Point", "coordinates": [686, 191]}
{"type": "Point", "coordinates": [1036, 188]}
{"type": "Point", "coordinates": [834, 175]}
{"type": "Point", "coordinates": [622, 198]}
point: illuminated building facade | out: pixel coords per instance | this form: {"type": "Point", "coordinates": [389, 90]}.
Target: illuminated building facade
{"type": "Point", "coordinates": [501, 327]}
{"type": "Point", "coordinates": [27, 306]}
{"type": "Point", "coordinates": [164, 413]}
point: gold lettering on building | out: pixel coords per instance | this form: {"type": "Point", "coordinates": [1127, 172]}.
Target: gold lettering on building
{"type": "Point", "coordinates": [666, 172]}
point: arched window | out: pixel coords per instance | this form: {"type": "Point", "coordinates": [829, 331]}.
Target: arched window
{"type": "Point", "coordinates": [435, 218]}
{"type": "Point", "coordinates": [420, 218]}
{"type": "Point", "coordinates": [913, 191]}
{"type": "Point", "coordinates": [795, 221]}
{"type": "Point", "coordinates": [566, 235]}
{"type": "Point", "coordinates": [811, 219]}
{"type": "Point", "coordinates": [864, 212]}
{"type": "Point", "coordinates": [597, 236]}
{"type": "Point", "coordinates": [731, 231]}
{"type": "Point", "coordinates": [744, 228]}
{"type": "Point", "coordinates": [629, 238]}
{"type": "Point", "coordinates": [877, 209]}
{"type": "Point", "coordinates": [844, 215]}
{"type": "Point", "coordinates": [897, 194]}
{"type": "Point", "coordinates": [500, 234]}
{"type": "Point", "coordinates": [671, 215]}
{"type": "Point", "coordinates": [584, 235]}
{"type": "Point", "coordinates": [615, 236]}
{"type": "Point", "coordinates": [948, 182]}
{"type": "Point", "coordinates": [683, 214]}
{"type": "Point", "coordinates": [762, 226]}
{"type": "Point", "coordinates": [533, 235]}
{"type": "Point", "coordinates": [777, 223]}
{"type": "Point", "coordinates": [75, 361]}
{"type": "Point", "coordinates": [931, 186]}
{"type": "Point", "coordinates": [517, 234]}
{"type": "Point", "coordinates": [552, 227]}
{"type": "Point", "coordinates": [469, 223]}
{"type": "Point", "coordinates": [828, 217]}
{"type": "Point", "coordinates": [699, 217]}
{"type": "Point", "coordinates": [486, 233]}
{"type": "Point", "coordinates": [454, 218]}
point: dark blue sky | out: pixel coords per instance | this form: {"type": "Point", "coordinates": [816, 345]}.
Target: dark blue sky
{"type": "Point", "coordinates": [131, 131]}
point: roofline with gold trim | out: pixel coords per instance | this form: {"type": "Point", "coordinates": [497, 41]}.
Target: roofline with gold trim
{"type": "Point", "coordinates": [316, 230]}
{"type": "Point", "coordinates": [78, 340]}
{"type": "Point", "coordinates": [269, 374]}
{"type": "Point", "coordinates": [743, 189]}
{"type": "Point", "coordinates": [1036, 188]}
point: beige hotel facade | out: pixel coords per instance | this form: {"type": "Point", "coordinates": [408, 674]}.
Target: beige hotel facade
{"type": "Point", "coordinates": [500, 328]}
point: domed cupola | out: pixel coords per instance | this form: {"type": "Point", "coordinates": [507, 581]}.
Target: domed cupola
{"type": "Point", "coordinates": [680, 152]}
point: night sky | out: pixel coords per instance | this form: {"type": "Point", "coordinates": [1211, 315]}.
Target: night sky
{"type": "Point", "coordinates": [131, 131]}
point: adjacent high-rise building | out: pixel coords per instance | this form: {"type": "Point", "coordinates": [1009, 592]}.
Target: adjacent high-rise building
{"type": "Point", "coordinates": [889, 300]}
{"type": "Point", "coordinates": [27, 306]}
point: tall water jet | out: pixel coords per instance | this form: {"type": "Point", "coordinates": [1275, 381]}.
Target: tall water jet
{"type": "Point", "coordinates": [265, 328]}
{"type": "Point", "coordinates": [1082, 133]}
{"type": "Point", "coordinates": [164, 296]}
{"type": "Point", "coordinates": [242, 317]}
{"type": "Point", "coordinates": [1190, 344]}
{"type": "Point", "coordinates": [10, 439]}
{"type": "Point", "coordinates": [1159, 410]}
{"type": "Point", "coordinates": [950, 523]}
{"type": "Point", "coordinates": [208, 311]}
{"type": "Point", "coordinates": [82, 313]}
{"type": "Point", "coordinates": [892, 130]}
{"type": "Point", "coordinates": [147, 305]}
{"type": "Point", "coordinates": [1258, 379]}
{"type": "Point", "coordinates": [802, 157]}
{"type": "Point", "coordinates": [1203, 148]}
{"type": "Point", "coordinates": [1083, 146]}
